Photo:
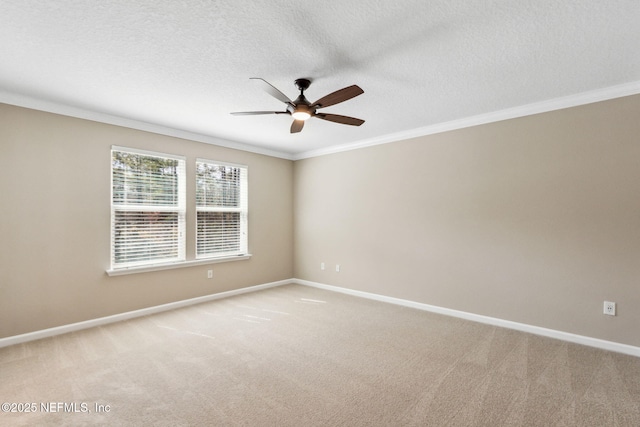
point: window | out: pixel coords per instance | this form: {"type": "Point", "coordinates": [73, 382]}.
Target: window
{"type": "Point", "coordinates": [221, 209]}
{"type": "Point", "coordinates": [147, 208]}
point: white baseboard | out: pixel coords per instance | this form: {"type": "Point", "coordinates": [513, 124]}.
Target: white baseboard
{"type": "Point", "coordinates": [536, 330]}
{"type": "Point", "coordinates": [50, 332]}
{"type": "Point", "coordinates": [551, 333]}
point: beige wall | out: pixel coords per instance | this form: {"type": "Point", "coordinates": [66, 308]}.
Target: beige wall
{"type": "Point", "coordinates": [55, 217]}
{"type": "Point", "coordinates": [533, 220]}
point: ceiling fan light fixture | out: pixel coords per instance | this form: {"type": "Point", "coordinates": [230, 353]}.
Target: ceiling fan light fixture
{"type": "Point", "coordinates": [301, 115]}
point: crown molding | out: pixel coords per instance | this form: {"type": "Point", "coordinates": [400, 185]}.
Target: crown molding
{"type": "Point", "coordinates": [583, 98]}
{"type": "Point", "coordinates": [81, 113]}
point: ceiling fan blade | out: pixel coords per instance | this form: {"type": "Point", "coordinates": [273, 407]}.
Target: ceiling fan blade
{"type": "Point", "coordinates": [338, 96]}
{"type": "Point", "coordinates": [272, 90]}
{"type": "Point", "coordinates": [297, 126]}
{"type": "Point", "coordinates": [255, 113]}
{"type": "Point", "coordinates": [336, 118]}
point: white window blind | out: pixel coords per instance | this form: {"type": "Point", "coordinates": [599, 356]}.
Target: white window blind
{"type": "Point", "coordinates": [221, 209]}
{"type": "Point", "coordinates": [148, 202]}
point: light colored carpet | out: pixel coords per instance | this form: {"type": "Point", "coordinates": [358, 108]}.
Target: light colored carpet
{"type": "Point", "coordinates": [299, 356]}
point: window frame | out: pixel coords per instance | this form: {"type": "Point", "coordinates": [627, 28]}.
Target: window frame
{"type": "Point", "coordinates": [179, 208]}
{"type": "Point", "coordinates": [242, 209]}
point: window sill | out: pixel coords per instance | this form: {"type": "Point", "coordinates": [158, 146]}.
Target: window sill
{"type": "Point", "coordinates": [191, 263]}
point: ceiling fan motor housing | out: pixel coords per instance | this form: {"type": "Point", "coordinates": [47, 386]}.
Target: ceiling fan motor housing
{"type": "Point", "coordinates": [301, 106]}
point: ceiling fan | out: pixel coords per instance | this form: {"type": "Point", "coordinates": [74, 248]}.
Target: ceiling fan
{"type": "Point", "coordinates": [301, 109]}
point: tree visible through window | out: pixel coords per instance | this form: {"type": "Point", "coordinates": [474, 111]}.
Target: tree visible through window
{"type": "Point", "coordinates": [221, 209]}
{"type": "Point", "coordinates": [147, 208]}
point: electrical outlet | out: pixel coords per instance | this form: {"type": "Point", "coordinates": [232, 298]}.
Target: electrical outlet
{"type": "Point", "coordinates": [609, 308]}
{"type": "Point", "coordinates": [209, 274]}
{"type": "Point", "coordinates": [322, 266]}
{"type": "Point", "coordinates": [337, 268]}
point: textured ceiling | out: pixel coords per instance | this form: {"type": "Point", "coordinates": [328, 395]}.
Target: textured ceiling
{"type": "Point", "coordinates": [185, 64]}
